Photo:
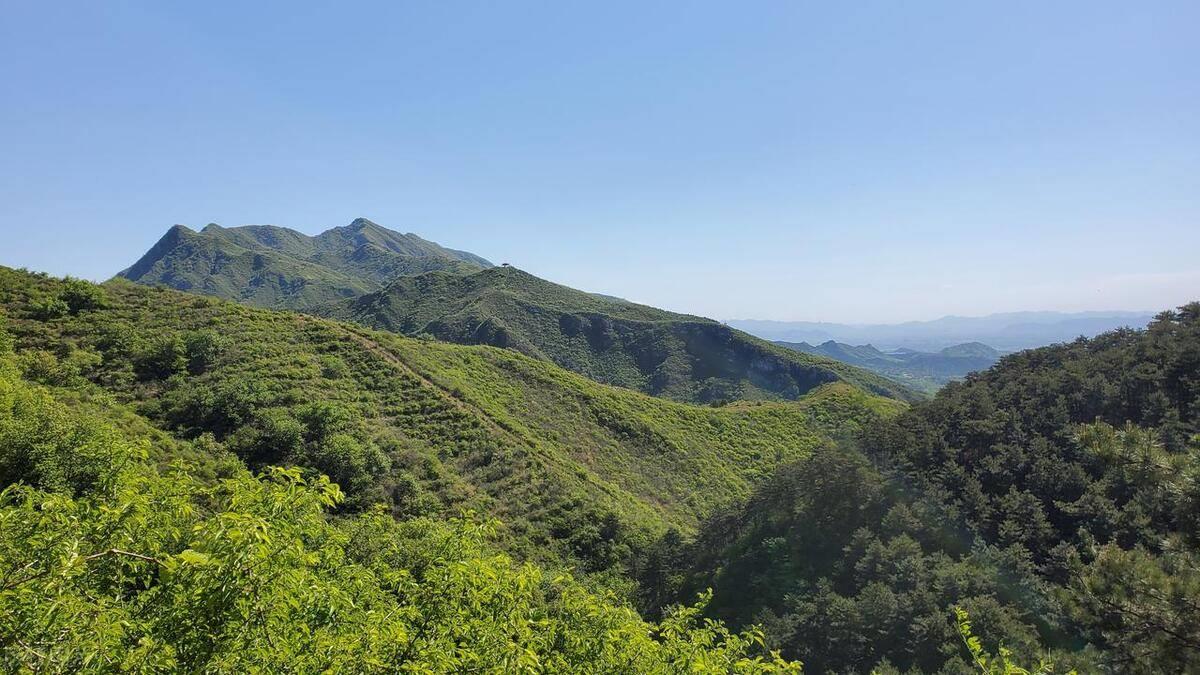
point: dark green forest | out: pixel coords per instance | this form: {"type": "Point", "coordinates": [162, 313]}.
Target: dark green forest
{"type": "Point", "coordinates": [1055, 497]}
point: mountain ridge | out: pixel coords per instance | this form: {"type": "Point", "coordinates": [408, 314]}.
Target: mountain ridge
{"type": "Point", "coordinates": [379, 278]}
{"type": "Point", "coordinates": [679, 356]}
{"type": "Point", "coordinates": [272, 266]}
{"type": "Point", "coordinates": [923, 371]}
{"type": "Point", "coordinates": [1008, 331]}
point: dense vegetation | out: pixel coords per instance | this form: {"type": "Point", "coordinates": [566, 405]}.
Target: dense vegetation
{"type": "Point", "coordinates": [109, 563]}
{"type": "Point", "coordinates": [922, 371]}
{"type": "Point", "coordinates": [1055, 497]}
{"type": "Point", "coordinates": [269, 266]}
{"type": "Point", "coordinates": [578, 472]}
{"type": "Point", "coordinates": [607, 339]}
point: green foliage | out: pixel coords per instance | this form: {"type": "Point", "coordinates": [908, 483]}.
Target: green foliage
{"type": "Point", "coordinates": [72, 297]}
{"type": "Point", "coordinates": [81, 296]}
{"type": "Point", "coordinates": [201, 347]}
{"type": "Point", "coordinates": [47, 446]}
{"type": "Point", "coordinates": [51, 308]}
{"type": "Point", "coordinates": [1000, 664]}
{"type": "Point", "coordinates": [1146, 607]}
{"type": "Point", "coordinates": [582, 474]}
{"type": "Point", "coordinates": [144, 571]}
{"type": "Point", "coordinates": [1055, 497]}
{"type": "Point", "coordinates": [6, 340]}
{"type": "Point", "coordinates": [610, 340]}
{"type": "Point", "coordinates": [842, 572]}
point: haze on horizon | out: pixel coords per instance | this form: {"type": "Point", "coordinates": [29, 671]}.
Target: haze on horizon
{"type": "Point", "coordinates": [868, 164]}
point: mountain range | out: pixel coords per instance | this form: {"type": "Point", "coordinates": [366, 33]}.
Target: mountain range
{"type": "Point", "coordinates": [1009, 331]}
{"type": "Point", "coordinates": [379, 278]}
{"type": "Point", "coordinates": [923, 371]}
{"type": "Point", "coordinates": [192, 484]}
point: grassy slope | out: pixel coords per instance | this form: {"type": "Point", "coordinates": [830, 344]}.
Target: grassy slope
{"type": "Point", "coordinates": [111, 565]}
{"type": "Point", "coordinates": [607, 339]}
{"type": "Point", "coordinates": [477, 427]}
{"type": "Point", "coordinates": [268, 266]}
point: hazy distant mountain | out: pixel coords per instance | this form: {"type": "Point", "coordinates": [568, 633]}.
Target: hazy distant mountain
{"type": "Point", "coordinates": [924, 371]}
{"type": "Point", "coordinates": [608, 339]}
{"type": "Point", "coordinates": [1007, 332]}
{"type": "Point", "coordinates": [270, 266]}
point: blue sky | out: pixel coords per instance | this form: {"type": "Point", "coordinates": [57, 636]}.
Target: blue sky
{"type": "Point", "coordinates": [867, 161]}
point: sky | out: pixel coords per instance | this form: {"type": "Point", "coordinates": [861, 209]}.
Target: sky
{"type": "Point", "coordinates": [855, 162]}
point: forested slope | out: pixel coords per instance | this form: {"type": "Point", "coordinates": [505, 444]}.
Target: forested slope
{"type": "Point", "coordinates": [109, 563]}
{"type": "Point", "coordinates": [607, 339]}
{"type": "Point", "coordinates": [1055, 496]}
{"type": "Point", "coordinates": [576, 470]}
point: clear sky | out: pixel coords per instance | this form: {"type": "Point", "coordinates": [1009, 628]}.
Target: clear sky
{"type": "Point", "coordinates": [864, 161]}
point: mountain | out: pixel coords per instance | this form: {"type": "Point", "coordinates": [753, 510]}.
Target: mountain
{"type": "Point", "coordinates": [268, 266]}
{"type": "Point", "coordinates": [402, 283]}
{"type": "Point", "coordinates": [129, 548]}
{"type": "Point", "coordinates": [1054, 497]}
{"type": "Point", "coordinates": [608, 339]}
{"type": "Point", "coordinates": [1007, 332]}
{"type": "Point", "coordinates": [922, 371]}
{"type": "Point", "coordinates": [578, 471]}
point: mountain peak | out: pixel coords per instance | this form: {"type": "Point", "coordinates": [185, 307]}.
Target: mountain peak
{"type": "Point", "coordinates": [274, 266]}
{"type": "Point", "coordinates": [171, 239]}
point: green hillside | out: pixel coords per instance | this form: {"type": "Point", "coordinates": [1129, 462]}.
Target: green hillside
{"type": "Point", "coordinates": [607, 339]}
{"type": "Point", "coordinates": [1055, 497]}
{"type": "Point", "coordinates": [269, 266]}
{"type": "Point", "coordinates": [109, 563]}
{"type": "Point", "coordinates": [575, 469]}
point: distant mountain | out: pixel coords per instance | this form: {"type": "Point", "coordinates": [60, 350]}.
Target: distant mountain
{"type": "Point", "coordinates": [1007, 332]}
{"type": "Point", "coordinates": [923, 371]}
{"type": "Point", "coordinates": [608, 339]}
{"type": "Point", "coordinates": [276, 267]}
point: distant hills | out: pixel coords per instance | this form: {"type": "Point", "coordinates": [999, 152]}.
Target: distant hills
{"type": "Point", "coordinates": [1007, 332]}
{"type": "Point", "coordinates": [923, 371]}
{"type": "Point", "coordinates": [275, 267]}
{"type": "Point", "coordinates": [405, 284]}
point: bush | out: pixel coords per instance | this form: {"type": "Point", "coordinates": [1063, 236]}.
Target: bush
{"type": "Point", "coordinates": [80, 296]}
{"type": "Point", "coordinates": [165, 356]}
{"type": "Point", "coordinates": [201, 349]}
{"type": "Point", "coordinates": [51, 308]}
